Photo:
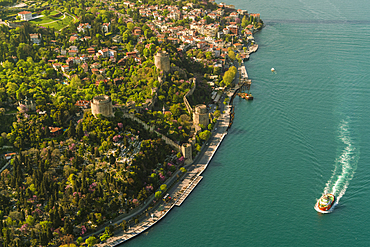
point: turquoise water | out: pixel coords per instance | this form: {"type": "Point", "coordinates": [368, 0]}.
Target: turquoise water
{"type": "Point", "coordinates": [306, 132]}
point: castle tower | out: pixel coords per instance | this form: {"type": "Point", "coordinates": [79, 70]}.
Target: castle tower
{"type": "Point", "coordinates": [162, 61]}
{"type": "Point", "coordinates": [187, 151]}
{"type": "Point", "coordinates": [102, 104]}
{"type": "Point", "coordinates": [200, 116]}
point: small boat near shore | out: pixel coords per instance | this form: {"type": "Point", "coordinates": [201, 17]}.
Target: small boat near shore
{"type": "Point", "coordinates": [247, 96]}
{"type": "Point", "coordinates": [325, 204]}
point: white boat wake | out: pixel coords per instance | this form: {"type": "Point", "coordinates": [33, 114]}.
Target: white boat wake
{"type": "Point", "coordinates": [345, 166]}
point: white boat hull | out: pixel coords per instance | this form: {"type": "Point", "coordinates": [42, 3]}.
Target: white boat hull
{"type": "Point", "coordinates": [324, 212]}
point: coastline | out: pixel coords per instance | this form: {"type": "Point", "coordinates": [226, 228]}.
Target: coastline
{"type": "Point", "coordinates": [184, 187]}
{"type": "Point", "coordinates": [180, 191]}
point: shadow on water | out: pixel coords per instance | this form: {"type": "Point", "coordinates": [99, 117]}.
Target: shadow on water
{"type": "Point", "coordinates": [237, 131]}
{"type": "Point", "coordinates": [215, 163]}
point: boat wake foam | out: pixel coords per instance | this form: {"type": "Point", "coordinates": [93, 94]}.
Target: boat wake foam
{"type": "Point", "coordinates": [345, 166]}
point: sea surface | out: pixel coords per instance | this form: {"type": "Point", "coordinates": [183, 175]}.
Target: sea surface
{"type": "Point", "coordinates": [306, 132]}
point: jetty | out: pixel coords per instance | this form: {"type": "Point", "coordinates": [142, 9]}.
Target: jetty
{"type": "Point", "coordinates": [243, 72]}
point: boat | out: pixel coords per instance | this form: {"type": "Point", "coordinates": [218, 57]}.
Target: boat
{"type": "Point", "coordinates": [272, 70]}
{"type": "Point", "coordinates": [325, 203]}
{"type": "Point", "coordinates": [247, 96]}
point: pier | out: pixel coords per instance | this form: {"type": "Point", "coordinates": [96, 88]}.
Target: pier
{"type": "Point", "coordinates": [243, 72]}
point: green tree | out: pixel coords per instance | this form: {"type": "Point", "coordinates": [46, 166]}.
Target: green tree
{"type": "Point", "coordinates": [163, 187]}
{"type": "Point", "coordinates": [205, 135]}
{"type": "Point", "coordinates": [71, 130]}
{"type": "Point", "coordinates": [124, 225]}
{"type": "Point", "coordinates": [75, 82]}
{"type": "Point", "coordinates": [158, 195]}
{"type": "Point", "coordinates": [90, 241]}
{"type": "Point", "coordinates": [231, 54]}
{"type": "Point", "coordinates": [245, 21]}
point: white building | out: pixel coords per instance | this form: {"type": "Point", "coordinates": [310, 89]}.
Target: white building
{"type": "Point", "coordinates": [25, 15]}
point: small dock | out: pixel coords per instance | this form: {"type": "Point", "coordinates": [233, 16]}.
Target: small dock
{"type": "Point", "coordinates": [188, 190]}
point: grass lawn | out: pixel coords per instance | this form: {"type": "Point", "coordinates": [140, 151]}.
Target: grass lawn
{"type": "Point", "coordinates": [56, 25]}
{"type": "Point", "coordinates": [44, 19]}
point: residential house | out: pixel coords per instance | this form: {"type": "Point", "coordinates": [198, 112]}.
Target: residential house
{"type": "Point", "coordinates": [117, 39]}
{"type": "Point", "coordinates": [238, 46]}
{"type": "Point", "coordinates": [83, 27]}
{"type": "Point", "coordinates": [84, 58]}
{"type": "Point", "coordinates": [137, 31]}
{"type": "Point", "coordinates": [65, 68]}
{"type": "Point", "coordinates": [213, 15]}
{"type": "Point", "coordinates": [112, 53]}
{"type": "Point", "coordinates": [57, 66]}
{"type": "Point", "coordinates": [85, 67]}
{"type": "Point", "coordinates": [72, 52]}
{"type": "Point", "coordinates": [95, 71]}
{"type": "Point", "coordinates": [73, 47]}
{"type": "Point", "coordinates": [105, 27]}
{"type": "Point", "coordinates": [61, 58]}
{"type": "Point", "coordinates": [103, 53]}
{"type": "Point", "coordinates": [91, 50]}
{"type": "Point", "coordinates": [8, 156]}
{"type": "Point", "coordinates": [35, 38]}
{"type": "Point", "coordinates": [83, 104]}
{"type": "Point", "coordinates": [256, 17]}
{"type": "Point", "coordinates": [95, 66]}
{"type": "Point", "coordinates": [234, 29]}
{"type": "Point", "coordinates": [234, 15]}
{"type": "Point", "coordinates": [102, 71]}
{"type": "Point", "coordinates": [55, 131]}
{"type": "Point", "coordinates": [72, 39]}
{"type": "Point", "coordinates": [70, 61]}
{"type": "Point", "coordinates": [131, 54]}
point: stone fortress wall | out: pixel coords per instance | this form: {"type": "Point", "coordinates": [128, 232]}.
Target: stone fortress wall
{"type": "Point", "coordinates": [189, 93]}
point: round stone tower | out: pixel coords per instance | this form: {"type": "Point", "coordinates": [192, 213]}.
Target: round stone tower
{"type": "Point", "coordinates": [162, 61]}
{"type": "Point", "coordinates": [200, 116]}
{"type": "Point", "coordinates": [102, 104]}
